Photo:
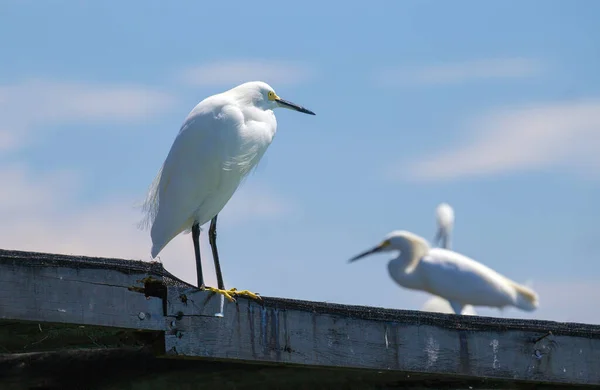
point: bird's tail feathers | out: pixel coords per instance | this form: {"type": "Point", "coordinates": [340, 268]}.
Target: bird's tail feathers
{"type": "Point", "coordinates": [150, 205]}
{"type": "Point", "coordinates": [527, 299]}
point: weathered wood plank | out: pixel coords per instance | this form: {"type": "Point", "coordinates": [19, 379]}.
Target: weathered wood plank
{"type": "Point", "coordinates": [103, 369]}
{"type": "Point", "coordinates": [399, 340]}
{"type": "Point", "coordinates": [68, 294]}
{"type": "Point", "coordinates": [135, 295]}
{"type": "Point", "coordinates": [182, 301]}
{"type": "Point", "coordinates": [25, 337]}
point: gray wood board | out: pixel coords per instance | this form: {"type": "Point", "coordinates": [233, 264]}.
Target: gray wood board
{"type": "Point", "coordinates": [64, 293]}
{"type": "Point", "coordinates": [95, 291]}
{"type": "Point", "coordinates": [103, 369]}
{"type": "Point", "coordinates": [314, 334]}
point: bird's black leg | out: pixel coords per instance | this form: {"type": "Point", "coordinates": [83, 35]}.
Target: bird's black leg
{"type": "Point", "coordinates": [196, 238]}
{"type": "Point", "coordinates": [231, 293]}
{"type": "Point", "coordinates": [212, 238]}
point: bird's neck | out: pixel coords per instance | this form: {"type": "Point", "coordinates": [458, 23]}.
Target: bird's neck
{"type": "Point", "coordinates": [411, 255]}
{"type": "Point", "coordinates": [257, 114]}
{"type": "Point", "coordinates": [405, 268]}
{"type": "Point", "coordinates": [397, 270]}
{"type": "Point", "coordinates": [446, 243]}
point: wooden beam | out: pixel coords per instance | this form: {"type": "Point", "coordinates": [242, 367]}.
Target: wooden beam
{"type": "Point", "coordinates": [326, 335]}
{"type": "Point", "coordinates": [103, 369]}
{"type": "Point", "coordinates": [114, 293]}
{"type": "Point", "coordinates": [64, 289]}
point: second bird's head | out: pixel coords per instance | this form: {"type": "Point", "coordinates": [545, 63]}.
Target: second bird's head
{"type": "Point", "coordinates": [262, 95]}
{"type": "Point", "coordinates": [398, 240]}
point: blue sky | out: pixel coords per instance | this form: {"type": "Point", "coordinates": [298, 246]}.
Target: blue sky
{"type": "Point", "coordinates": [491, 106]}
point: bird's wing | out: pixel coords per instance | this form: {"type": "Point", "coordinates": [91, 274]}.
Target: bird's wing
{"type": "Point", "coordinates": [191, 172]}
{"type": "Point", "coordinates": [461, 279]}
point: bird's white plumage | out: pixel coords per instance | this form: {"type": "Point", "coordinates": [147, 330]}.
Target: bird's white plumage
{"type": "Point", "coordinates": [444, 215]}
{"type": "Point", "coordinates": [221, 141]}
{"type": "Point", "coordinates": [451, 275]}
{"type": "Point", "coordinates": [458, 278]}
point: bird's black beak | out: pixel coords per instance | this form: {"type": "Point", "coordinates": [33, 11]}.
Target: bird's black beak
{"type": "Point", "coordinates": [378, 248]}
{"type": "Point", "coordinates": [292, 106]}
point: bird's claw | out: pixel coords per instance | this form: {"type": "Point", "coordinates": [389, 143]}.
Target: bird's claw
{"type": "Point", "coordinates": [225, 293]}
{"type": "Point", "coordinates": [229, 294]}
{"type": "Point", "coordinates": [246, 293]}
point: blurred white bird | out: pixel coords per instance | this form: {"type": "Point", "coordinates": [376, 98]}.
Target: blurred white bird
{"type": "Point", "coordinates": [445, 223]}
{"type": "Point", "coordinates": [221, 141]}
{"type": "Point", "coordinates": [450, 275]}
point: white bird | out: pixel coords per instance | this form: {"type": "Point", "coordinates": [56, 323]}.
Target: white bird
{"type": "Point", "coordinates": [450, 275]}
{"type": "Point", "coordinates": [222, 139]}
{"type": "Point", "coordinates": [445, 223]}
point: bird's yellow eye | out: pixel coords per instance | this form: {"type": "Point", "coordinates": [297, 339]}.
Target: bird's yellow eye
{"type": "Point", "coordinates": [272, 95]}
{"type": "Point", "coordinates": [385, 243]}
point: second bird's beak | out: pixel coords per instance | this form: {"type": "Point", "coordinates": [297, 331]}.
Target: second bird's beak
{"type": "Point", "coordinates": [292, 106]}
{"type": "Point", "coordinates": [378, 248]}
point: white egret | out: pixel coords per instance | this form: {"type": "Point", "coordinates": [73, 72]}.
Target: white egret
{"type": "Point", "coordinates": [450, 275]}
{"type": "Point", "coordinates": [222, 139]}
{"type": "Point", "coordinates": [445, 223]}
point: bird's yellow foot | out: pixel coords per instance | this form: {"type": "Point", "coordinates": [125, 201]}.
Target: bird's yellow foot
{"type": "Point", "coordinates": [243, 293]}
{"type": "Point", "coordinates": [225, 293]}
{"type": "Point", "coordinates": [229, 294]}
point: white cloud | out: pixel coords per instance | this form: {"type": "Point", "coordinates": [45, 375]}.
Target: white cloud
{"type": "Point", "coordinates": [565, 135]}
{"type": "Point", "coordinates": [234, 72]}
{"type": "Point", "coordinates": [41, 213]}
{"type": "Point", "coordinates": [36, 104]}
{"type": "Point", "coordinates": [461, 72]}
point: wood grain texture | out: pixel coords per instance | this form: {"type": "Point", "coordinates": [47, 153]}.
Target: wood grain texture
{"type": "Point", "coordinates": [275, 333]}
{"type": "Point", "coordinates": [103, 369]}
{"type": "Point", "coordinates": [85, 295]}
{"type": "Point", "coordinates": [61, 289]}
